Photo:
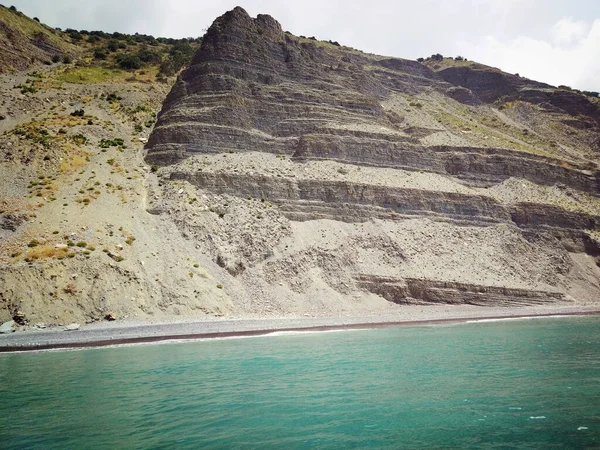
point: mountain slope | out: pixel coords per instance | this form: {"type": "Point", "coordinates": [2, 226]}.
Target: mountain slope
{"type": "Point", "coordinates": [287, 176]}
{"type": "Point", "coordinates": [24, 41]}
{"type": "Point", "coordinates": [342, 141]}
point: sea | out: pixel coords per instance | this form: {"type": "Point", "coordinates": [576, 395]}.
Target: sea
{"type": "Point", "coordinates": [508, 384]}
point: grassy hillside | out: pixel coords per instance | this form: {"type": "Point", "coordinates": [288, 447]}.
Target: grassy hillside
{"type": "Point", "coordinates": [26, 41]}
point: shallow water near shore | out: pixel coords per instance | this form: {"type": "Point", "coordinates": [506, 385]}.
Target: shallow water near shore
{"type": "Point", "coordinates": [509, 384]}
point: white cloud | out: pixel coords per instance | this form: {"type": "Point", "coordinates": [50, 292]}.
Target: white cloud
{"type": "Point", "coordinates": [568, 31]}
{"type": "Point", "coordinates": [576, 64]}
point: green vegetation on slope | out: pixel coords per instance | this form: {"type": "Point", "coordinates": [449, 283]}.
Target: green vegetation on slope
{"type": "Point", "coordinates": [31, 28]}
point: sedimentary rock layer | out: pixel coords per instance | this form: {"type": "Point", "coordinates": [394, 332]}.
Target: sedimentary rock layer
{"type": "Point", "coordinates": [253, 89]}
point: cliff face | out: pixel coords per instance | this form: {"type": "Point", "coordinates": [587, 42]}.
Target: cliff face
{"type": "Point", "coordinates": [308, 169]}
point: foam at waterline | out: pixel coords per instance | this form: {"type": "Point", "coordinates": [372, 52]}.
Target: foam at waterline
{"type": "Point", "coordinates": [299, 332]}
{"type": "Point", "coordinates": [505, 319]}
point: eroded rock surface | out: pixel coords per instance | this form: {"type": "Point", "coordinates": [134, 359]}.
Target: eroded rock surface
{"type": "Point", "coordinates": [317, 173]}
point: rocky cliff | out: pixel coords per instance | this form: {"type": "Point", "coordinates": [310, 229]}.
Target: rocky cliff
{"type": "Point", "coordinates": [314, 171]}
{"type": "Point", "coordinates": [284, 176]}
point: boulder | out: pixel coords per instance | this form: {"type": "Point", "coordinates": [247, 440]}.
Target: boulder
{"type": "Point", "coordinates": [72, 327]}
{"type": "Point", "coordinates": [7, 327]}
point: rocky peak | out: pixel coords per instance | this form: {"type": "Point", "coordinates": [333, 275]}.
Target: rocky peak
{"type": "Point", "coordinates": [236, 29]}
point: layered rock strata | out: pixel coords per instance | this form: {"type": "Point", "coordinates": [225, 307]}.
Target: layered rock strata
{"type": "Point", "coordinates": [314, 132]}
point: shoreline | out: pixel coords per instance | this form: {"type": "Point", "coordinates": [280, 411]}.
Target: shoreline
{"type": "Point", "coordinates": [103, 335]}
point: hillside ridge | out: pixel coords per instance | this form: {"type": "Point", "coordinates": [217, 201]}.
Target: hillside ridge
{"type": "Point", "coordinates": [278, 175]}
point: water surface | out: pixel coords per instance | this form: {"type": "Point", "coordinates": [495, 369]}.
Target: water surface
{"type": "Point", "coordinates": [509, 384]}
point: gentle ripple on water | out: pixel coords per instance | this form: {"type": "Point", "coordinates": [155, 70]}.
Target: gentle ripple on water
{"type": "Point", "coordinates": [521, 384]}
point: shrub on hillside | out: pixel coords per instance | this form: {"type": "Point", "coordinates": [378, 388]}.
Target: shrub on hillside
{"type": "Point", "coordinates": [129, 61]}
{"type": "Point", "coordinates": [100, 34]}
{"type": "Point", "coordinates": [74, 34]}
{"type": "Point", "coordinates": [112, 97]}
{"type": "Point", "coordinates": [591, 93]}
{"type": "Point", "coordinates": [180, 55]}
{"type": "Point", "coordinates": [99, 53]}
{"type": "Point", "coordinates": [182, 47]}
{"type": "Point", "coordinates": [148, 56]}
{"type": "Point", "coordinates": [113, 45]}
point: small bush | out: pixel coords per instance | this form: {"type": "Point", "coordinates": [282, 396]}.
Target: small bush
{"type": "Point", "coordinates": [112, 97]}
{"type": "Point", "coordinates": [129, 61]}
{"type": "Point", "coordinates": [28, 89]}
{"type": "Point", "coordinates": [113, 45]}
{"type": "Point", "coordinates": [33, 243]}
{"type": "Point", "coordinates": [75, 35]}
{"type": "Point", "coordinates": [67, 59]}
{"type": "Point", "coordinates": [56, 59]}
{"type": "Point", "coordinates": [148, 56]}
{"type": "Point", "coordinates": [99, 53]}
{"type": "Point", "coordinates": [116, 142]}
{"type": "Point", "coordinates": [79, 139]}
{"type": "Point", "coordinates": [78, 113]}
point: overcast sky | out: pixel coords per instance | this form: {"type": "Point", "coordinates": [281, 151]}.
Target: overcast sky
{"type": "Point", "coordinates": [555, 41]}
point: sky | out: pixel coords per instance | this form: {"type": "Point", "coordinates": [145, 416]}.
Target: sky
{"type": "Point", "coordinates": [554, 41]}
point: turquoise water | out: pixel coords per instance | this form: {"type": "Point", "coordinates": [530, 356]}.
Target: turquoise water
{"type": "Point", "coordinates": [517, 384]}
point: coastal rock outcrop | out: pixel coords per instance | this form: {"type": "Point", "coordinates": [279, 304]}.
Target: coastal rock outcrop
{"type": "Point", "coordinates": [269, 131]}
